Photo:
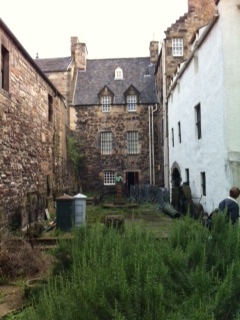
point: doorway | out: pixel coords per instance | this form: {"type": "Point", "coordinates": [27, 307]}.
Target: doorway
{"type": "Point", "coordinates": [176, 178]}
{"type": "Point", "coordinates": [131, 179]}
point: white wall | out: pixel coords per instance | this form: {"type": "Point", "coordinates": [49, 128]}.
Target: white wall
{"type": "Point", "coordinates": [209, 155]}
{"type": "Point", "coordinates": [230, 29]}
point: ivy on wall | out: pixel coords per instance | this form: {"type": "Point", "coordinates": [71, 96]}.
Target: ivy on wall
{"type": "Point", "coordinates": [74, 154]}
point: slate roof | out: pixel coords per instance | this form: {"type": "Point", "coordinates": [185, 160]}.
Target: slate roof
{"type": "Point", "coordinates": [138, 72]}
{"type": "Point", "coordinates": [54, 64]}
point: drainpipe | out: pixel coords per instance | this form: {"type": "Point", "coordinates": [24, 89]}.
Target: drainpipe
{"type": "Point", "coordinates": [150, 145]}
{"type": "Point", "coordinates": [153, 157]}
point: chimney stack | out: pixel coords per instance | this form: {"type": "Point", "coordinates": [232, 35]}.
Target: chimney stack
{"type": "Point", "coordinates": [79, 53]}
{"type": "Point", "coordinates": [153, 48]}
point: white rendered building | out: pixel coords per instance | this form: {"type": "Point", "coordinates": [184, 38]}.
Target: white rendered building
{"type": "Point", "coordinates": [204, 111]}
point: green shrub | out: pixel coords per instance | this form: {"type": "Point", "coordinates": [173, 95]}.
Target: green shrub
{"type": "Point", "coordinates": [136, 276]}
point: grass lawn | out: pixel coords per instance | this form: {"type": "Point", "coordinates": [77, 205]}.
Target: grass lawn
{"type": "Point", "coordinates": [146, 214]}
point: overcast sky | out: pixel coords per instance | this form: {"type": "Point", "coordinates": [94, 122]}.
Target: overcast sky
{"type": "Point", "coordinates": [110, 28]}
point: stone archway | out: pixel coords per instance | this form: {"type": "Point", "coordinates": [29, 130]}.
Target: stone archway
{"type": "Point", "coordinates": [176, 175]}
{"type": "Point", "coordinates": [176, 183]}
{"type": "Point", "coordinates": [176, 178]}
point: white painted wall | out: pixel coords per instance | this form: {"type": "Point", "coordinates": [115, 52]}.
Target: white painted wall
{"type": "Point", "coordinates": [230, 29]}
{"type": "Point", "coordinates": [216, 85]}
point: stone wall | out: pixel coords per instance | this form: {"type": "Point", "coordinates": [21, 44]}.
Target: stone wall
{"type": "Point", "coordinates": [33, 138]}
{"type": "Point", "coordinates": [90, 122]}
{"type": "Point", "coordinates": [200, 13]}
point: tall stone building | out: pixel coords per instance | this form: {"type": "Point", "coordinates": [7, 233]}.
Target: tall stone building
{"type": "Point", "coordinates": [33, 125]}
{"type": "Point", "coordinates": [112, 105]}
{"type": "Point", "coordinates": [176, 48]}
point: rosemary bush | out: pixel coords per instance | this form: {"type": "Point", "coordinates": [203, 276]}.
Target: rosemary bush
{"type": "Point", "coordinates": [194, 275]}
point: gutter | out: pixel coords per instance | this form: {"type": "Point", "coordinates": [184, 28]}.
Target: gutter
{"type": "Point", "coordinates": [153, 150]}
{"type": "Point", "coordinates": [151, 110]}
{"type": "Point", "coordinates": [196, 47]}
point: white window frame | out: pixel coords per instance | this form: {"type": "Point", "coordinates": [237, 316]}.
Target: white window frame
{"type": "Point", "coordinates": [109, 178]}
{"type": "Point", "coordinates": [177, 47]}
{"type": "Point", "coordinates": [132, 142]}
{"type": "Point", "coordinates": [106, 142]}
{"type": "Point", "coordinates": [106, 103]}
{"type": "Point", "coordinates": [132, 103]}
{"type": "Point", "coordinates": [118, 74]}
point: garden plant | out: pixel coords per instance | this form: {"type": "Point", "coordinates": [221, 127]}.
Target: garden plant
{"type": "Point", "coordinates": [103, 273]}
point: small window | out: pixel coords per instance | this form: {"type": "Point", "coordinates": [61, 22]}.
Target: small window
{"type": "Point", "coordinates": [172, 137]}
{"type": "Point", "coordinates": [106, 103]}
{"type": "Point", "coordinates": [203, 183]}
{"type": "Point", "coordinates": [4, 68]}
{"type": "Point", "coordinates": [118, 74]}
{"type": "Point", "coordinates": [179, 132]}
{"type": "Point", "coordinates": [177, 47]}
{"type": "Point", "coordinates": [50, 108]}
{"type": "Point", "coordinates": [198, 121]}
{"type": "Point", "coordinates": [187, 176]}
{"type": "Point", "coordinates": [109, 178]}
{"type": "Point", "coordinates": [106, 142]}
{"type": "Point", "coordinates": [132, 103]}
{"type": "Point", "coordinates": [132, 142]}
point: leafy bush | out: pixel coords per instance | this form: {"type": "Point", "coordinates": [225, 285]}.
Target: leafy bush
{"type": "Point", "coordinates": [194, 275]}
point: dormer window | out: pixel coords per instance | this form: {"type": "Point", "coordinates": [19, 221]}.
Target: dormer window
{"type": "Point", "coordinates": [106, 103]}
{"type": "Point", "coordinates": [131, 98]}
{"type": "Point", "coordinates": [132, 103]}
{"type": "Point", "coordinates": [118, 74]}
{"type": "Point", "coordinates": [105, 99]}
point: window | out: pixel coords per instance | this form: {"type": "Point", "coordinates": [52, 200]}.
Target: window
{"type": "Point", "coordinates": [132, 103]}
{"type": "Point", "coordinates": [109, 178]}
{"type": "Point", "coordinates": [179, 132]}
{"type": "Point", "coordinates": [198, 121]}
{"type": "Point", "coordinates": [177, 47]}
{"type": "Point", "coordinates": [172, 137]}
{"type": "Point", "coordinates": [203, 183]}
{"type": "Point", "coordinates": [4, 68]}
{"type": "Point", "coordinates": [132, 142]}
{"type": "Point", "coordinates": [187, 176]}
{"type": "Point", "coordinates": [106, 142]}
{"type": "Point", "coordinates": [50, 108]}
{"type": "Point", "coordinates": [106, 102]}
{"type": "Point", "coordinates": [118, 74]}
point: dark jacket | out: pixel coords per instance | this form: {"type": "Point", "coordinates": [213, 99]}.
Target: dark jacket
{"type": "Point", "coordinates": [232, 208]}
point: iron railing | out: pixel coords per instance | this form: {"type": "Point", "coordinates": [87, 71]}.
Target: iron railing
{"type": "Point", "coordinates": [149, 193]}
